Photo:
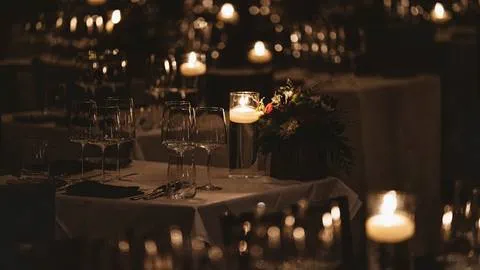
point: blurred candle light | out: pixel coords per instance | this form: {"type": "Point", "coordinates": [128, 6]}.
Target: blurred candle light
{"type": "Point", "coordinates": [73, 24]}
{"type": "Point", "coordinates": [109, 26]}
{"type": "Point", "coordinates": [193, 66]}
{"type": "Point", "coordinates": [96, 2]}
{"type": "Point", "coordinates": [259, 54]}
{"type": "Point", "coordinates": [99, 22]}
{"type": "Point", "coordinates": [89, 23]}
{"type": "Point", "coordinates": [59, 22]}
{"type": "Point", "coordinates": [447, 219]}
{"type": "Point", "coordinates": [273, 237]}
{"type": "Point", "coordinates": [299, 237]}
{"type": "Point", "coordinates": [228, 14]}
{"type": "Point", "coordinates": [116, 16]}
{"type": "Point", "coordinates": [439, 14]}
{"type": "Point", "coordinates": [176, 239]}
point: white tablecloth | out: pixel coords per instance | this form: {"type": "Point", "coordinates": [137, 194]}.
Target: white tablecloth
{"type": "Point", "coordinates": [98, 217]}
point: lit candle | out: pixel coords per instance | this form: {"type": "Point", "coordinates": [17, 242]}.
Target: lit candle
{"type": "Point", "coordinates": [439, 14]}
{"type": "Point", "coordinates": [109, 26]}
{"type": "Point", "coordinates": [390, 225]}
{"type": "Point", "coordinates": [243, 113]}
{"type": "Point", "coordinates": [259, 54]}
{"type": "Point", "coordinates": [193, 67]}
{"type": "Point", "coordinates": [116, 16]}
{"type": "Point", "coordinates": [73, 24]}
{"type": "Point", "coordinates": [447, 219]}
{"type": "Point", "coordinates": [228, 14]}
{"type": "Point", "coordinates": [96, 2]}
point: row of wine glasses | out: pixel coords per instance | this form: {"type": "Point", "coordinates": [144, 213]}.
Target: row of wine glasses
{"type": "Point", "coordinates": [184, 129]}
{"type": "Point", "coordinates": [110, 124]}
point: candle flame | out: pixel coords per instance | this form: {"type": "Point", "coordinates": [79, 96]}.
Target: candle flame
{"type": "Point", "coordinates": [243, 101]}
{"type": "Point", "coordinates": [192, 58]}
{"type": "Point", "coordinates": [468, 209]}
{"type": "Point", "coordinates": [116, 16]}
{"type": "Point", "coordinates": [389, 203]}
{"type": "Point", "coordinates": [99, 21]}
{"type": "Point", "coordinates": [259, 48]}
{"type": "Point", "coordinates": [227, 10]}
{"type": "Point", "coordinates": [73, 24]}
{"type": "Point", "coordinates": [439, 10]}
{"type": "Point", "coordinates": [327, 220]}
{"type": "Point", "coordinates": [447, 218]}
{"type": "Point", "coordinates": [335, 212]}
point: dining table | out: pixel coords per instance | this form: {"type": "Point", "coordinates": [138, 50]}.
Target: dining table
{"type": "Point", "coordinates": [199, 217]}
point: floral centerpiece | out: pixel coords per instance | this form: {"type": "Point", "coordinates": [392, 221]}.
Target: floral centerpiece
{"type": "Point", "coordinates": [304, 135]}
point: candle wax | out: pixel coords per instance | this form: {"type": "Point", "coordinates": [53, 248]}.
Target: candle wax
{"type": "Point", "coordinates": [259, 58]}
{"type": "Point", "coordinates": [191, 69]}
{"type": "Point", "coordinates": [244, 115]}
{"type": "Point", "coordinates": [390, 228]}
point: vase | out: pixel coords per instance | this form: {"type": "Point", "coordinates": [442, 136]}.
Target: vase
{"type": "Point", "coordinates": [297, 162]}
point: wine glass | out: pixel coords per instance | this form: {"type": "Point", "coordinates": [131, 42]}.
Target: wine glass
{"type": "Point", "coordinates": [105, 130]}
{"type": "Point", "coordinates": [126, 128]}
{"type": "Point", "coordinates": [165, 114]}
{"type": "Point", "coordinates": [81, 123]}
{"type": "Point", "coordinates": [177, 137]}
{"type": "Point", "coordinates": [210, 134]}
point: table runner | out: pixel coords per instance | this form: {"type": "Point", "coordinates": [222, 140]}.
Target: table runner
{"type": "Point", "coordinates": [98, 217]}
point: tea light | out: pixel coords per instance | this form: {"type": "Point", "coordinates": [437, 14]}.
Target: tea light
{"type": "Point", "coordinates": [259, 54]}
{"type": "Point", "coordinates": [389, 225]}
{"type": "Point", "coordinates": [193, 67]}
{"type": "Point", "coordinates": [439, 14]}
{"type": "Point", "coordinates": [243, 113]}
{"type": "Point", "coordinates": [227, 14]}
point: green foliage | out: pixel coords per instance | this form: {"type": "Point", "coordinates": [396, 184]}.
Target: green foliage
{"type": "Point", "coordinates": [299, 117]}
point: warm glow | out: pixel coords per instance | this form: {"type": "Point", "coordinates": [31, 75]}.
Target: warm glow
{"type": "Point", "coordinates": [299, 234]}
{"type": "Point", "coordinates": [447, 218]}
{"type": "Point", "coordinates": [124, 64]}
{"type": "Point", "coordinates": [389, 203]}
{"type": "Point", "coordinates": [116, 16]}
{"type": "Point", "coordinates": [104, 70]}
{"type": "Point", "coordinates": [215, 253]}
{"type": "Point", "coordinates": [259, 53]}
{"type": "Point", "coordinates": [59, 22]}
{"type": "Point", "coordinates": [73, 24]}
{"type": "Point", "coordinates": [99, 21]}
{"type": "Point", "coordinates": [176, 238]}
{"type": "Point", "coordinates": [327, 220]}
{"type": "Point", "coordinates": [192, 58]}
{"type": "Point", "coordinates": [439, 10]}
{"type": "Point", "coordinates": [151, 247]}
{"type": "Point", "coordinates": [243, 101]}
{"type": "Point", "coordinates": [109, 26]}
{"type": "Point", "coordinates": [242, 246]}
{"type": "Point", "coordinates": [335, 212]}
{"type": "Point", "coordinates": [96, 2]}
{"type": "Point", "coordinates": [289, 221]}
{"type": "Point", "coordinates": [247, 226]}
{"type": "Point", "coordinates": [227, 10]}
{"type": "Point", "coordinates": [124, 246]}
{"type": "Point", "coordinates": [468, 209]}
{"type": "Point", "coordinates": [89, 21]}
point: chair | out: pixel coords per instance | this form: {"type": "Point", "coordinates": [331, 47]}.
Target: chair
{"type": "Point", "coordinates": [249, 237]}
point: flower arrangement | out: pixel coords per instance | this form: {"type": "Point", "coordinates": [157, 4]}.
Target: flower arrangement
{"type": "Point", "coordinates": [298, 121]}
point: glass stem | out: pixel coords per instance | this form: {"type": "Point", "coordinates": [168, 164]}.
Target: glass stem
{"type": "Point", "coordinates": [209, 161]}
{"type": "Point", "coordinates": [179, 166]}
{"type": "Point", "coordinates": [118, 160]}
{"type": "Point", "coordinates": [82, 157]}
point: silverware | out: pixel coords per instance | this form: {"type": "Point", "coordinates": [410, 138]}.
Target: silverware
{"type": "Point", "coordinates": [157, 192]}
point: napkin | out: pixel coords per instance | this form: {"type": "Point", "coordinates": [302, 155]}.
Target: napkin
{"type": "Point", "coordinates": [96, 189]}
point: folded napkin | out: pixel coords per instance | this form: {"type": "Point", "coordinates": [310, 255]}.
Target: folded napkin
{"type": "Point", "coordinates": [96, 189]}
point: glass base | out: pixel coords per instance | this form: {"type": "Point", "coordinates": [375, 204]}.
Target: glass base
{"type": "Point", "coordinates": [245, 173]}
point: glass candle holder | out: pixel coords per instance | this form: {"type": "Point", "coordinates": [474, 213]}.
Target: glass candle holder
{"type": "Point", "coordinates": [389, 225]}
{"type": "Point", "coordinates": [193, 66]}
{"type": "Point", "coordinates": [243, 115]}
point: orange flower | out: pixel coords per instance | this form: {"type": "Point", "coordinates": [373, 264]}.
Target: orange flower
{"type": "Point", "coordinates": [268, 108]}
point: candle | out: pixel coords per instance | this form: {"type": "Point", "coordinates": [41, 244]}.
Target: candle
{"type": "Point", "coordinates": [259, 54]}
{"type": "Point", "coordinates": [73, 24]}
{"type": "Point", "coordinates": [244, 114]}
{"type": "Point", "coordinates": [439, 14]}
{"type": "Point", "coordinates": [96, 2]}
{"type": "Point", "coordinates": [193, 67]}
{"type": "Point", "coordinates": [228, 14]}
{"type": "Point", "coordinates": [109, 26]}
{"type": "Point", "coordinates": [447, 219]}
{"type": "Point", "coordinates": [390, 225]}
{"type": "Point", "coordinates": [116, 16]}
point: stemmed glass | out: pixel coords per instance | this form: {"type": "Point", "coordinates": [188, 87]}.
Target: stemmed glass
{"type": "Point", "coordinates": [210, 134]}
{"type": "Point", "coordinates": [177, 137]}
{"type": "Point", "coordinates": [81, 123]}
{"type": "Point", "coordinates": [126, 124]}
{"type": "Point", "coordinates": [105, 130]}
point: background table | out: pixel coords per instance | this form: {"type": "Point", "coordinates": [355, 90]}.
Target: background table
{"type": "Point", "coordinates": [98, 217]}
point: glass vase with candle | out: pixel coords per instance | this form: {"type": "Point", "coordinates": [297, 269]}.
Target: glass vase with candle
{"type": "Point", "coordinates": [259, 53]}
{"type": "Point", "coordinates": [389, 226]}
{"type": "Point", "coordinates": [243, 116]}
